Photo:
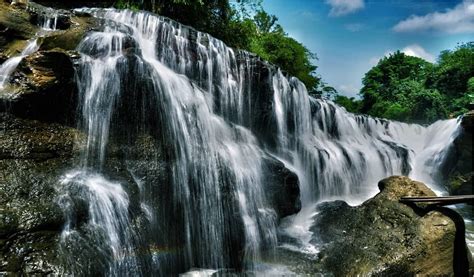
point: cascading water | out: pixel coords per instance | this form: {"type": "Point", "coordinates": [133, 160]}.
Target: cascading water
{"type": "Point", "coordinates": [338, 155]}
{"type": "Point", "coordinates": [9, 66]}
{"type": "Point", "coordinates": [216, 170]}
{"type": "Point", "coordinates": [48, 23]}
{"type": "Point", "coordinates": [219, 122]}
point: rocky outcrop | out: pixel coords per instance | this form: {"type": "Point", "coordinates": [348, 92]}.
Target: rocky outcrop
{"type": "Point", "coordinates": [15, 28]}
{"type": "Point", "coordinates": [32, 157]}
{"type": "Point", "coordinates": [39, 15]}
{"type": "Point", "coordinates": [283, 188]}
{"type": "Point", "coordinates": [383, 237]}
{"type": "Point", "coordinates": [43, 88]}
{"type": "Point", "coordinates": [457, 167]}
{"type": "Point", "coordinates": [68, 39]}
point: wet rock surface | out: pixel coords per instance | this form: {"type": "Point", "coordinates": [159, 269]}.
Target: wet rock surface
{"type": "Point", "coordinates": [42, 88]}
{"type": "Point", "coordinates": [69, 38]}
{"type": "Point", "coordinates": [39, 15]}
{"type": "Point", "coordinates": [457, 167]}
{"type": "Point", "coordinates": [15, 27]}
{"type": "Point", "coordinates": [383, 237]}
{"type": "Point", "coordinates": [283, 187]}
{"type": "Point", "coordinates": [33, 155]}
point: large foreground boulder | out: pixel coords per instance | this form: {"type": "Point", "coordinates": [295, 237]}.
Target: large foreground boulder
{"type": "Point", "coordinates": [383, 237]}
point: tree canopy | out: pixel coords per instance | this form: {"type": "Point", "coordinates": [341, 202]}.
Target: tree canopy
{"type": "Point", "coordinates": [407, 88]}
{"type": "Point", "coordinates": [243, 25]}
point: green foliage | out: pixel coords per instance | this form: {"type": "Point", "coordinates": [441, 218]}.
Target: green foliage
{"type": "Point", "coordinates": [127, 4]}
{"type": "Point", "coordinates": [395, 111]}
{"type": "Point", "coordinates": [455, 69]}
{"type": "Point", "coordinates": [386, 80]}
{"type": "Point", "coordinates": [470, 85]}
{"type": "Point", "coordinates": [406, 88]}
{"type": "Point", "coordinates": [266, 23]}
{"type": "Point", "coordinates": [427, 105]}
{"type": "Point", "coordinates": [288, 54]}
{"type": "Point", "coordinates": [244, 25]}
{"type": "Point", "coordinates": [351, 104]}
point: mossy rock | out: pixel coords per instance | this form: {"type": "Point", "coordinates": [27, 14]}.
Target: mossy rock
{"type": "Point", "coordinates": [33, 157]}
{"type": "Point", "coordinates": [70, 38]}
{"type": "Point", "coordinates": [43, 88]}
{"type": "Point", "coordinates": [15, 22]}
{"type": "Point", "coordinates": [383, 237]}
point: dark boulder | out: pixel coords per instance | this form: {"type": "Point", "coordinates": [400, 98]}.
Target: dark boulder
{"type": "Point", "coordinates": [43, 88]}
{"type": "Point", "coordinates": [282, 187]}
{"type": "Point", "coordinates": [383, 237]}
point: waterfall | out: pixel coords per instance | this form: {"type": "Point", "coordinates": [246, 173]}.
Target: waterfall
{"type": "Point", "coordinates": [341, 156]}
{"type": "Point", "coordinates": [48, 23]}
{"type": "Point", "coordinates": [217, 117]}
{"type": "Point", "coordinates": [216, 167]}
{"type": "Point", "coordinates": [9, 66]}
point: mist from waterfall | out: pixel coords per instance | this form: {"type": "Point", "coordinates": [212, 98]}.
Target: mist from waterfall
{"type": "Point", "coordinates": [200, 100]}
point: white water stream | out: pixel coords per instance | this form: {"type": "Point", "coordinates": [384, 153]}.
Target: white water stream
{"type": "Point", "coordinates": [206, 99]}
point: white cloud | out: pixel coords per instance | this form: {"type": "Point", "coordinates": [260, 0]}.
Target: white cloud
{"type": "Point", "coordinates": [416, 50]}
{"type": "Point", "coordinates": [343, 7]}
{"type": "Point", "coordinates": [459, 19]}
{"type": "Point", "coordinates": [348, 90]}
{"type": "Point", "coordinates": [308, 14]}
{"type": "Point", "coordinates": [375, 60]}
{"type": "Point", "coordinates": [354, 27]}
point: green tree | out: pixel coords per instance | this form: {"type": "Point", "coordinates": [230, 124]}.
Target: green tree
{"type": "Point", "coordinates": [381, 83]}
{"type": "Point", "coordinates": [275, 46]}
{"type": "Point", "coordinates": [351, 104]}
{"type": "Point", "coordinates": [454, 70]}
{"type": "Point", "coordinates": [244, 25]}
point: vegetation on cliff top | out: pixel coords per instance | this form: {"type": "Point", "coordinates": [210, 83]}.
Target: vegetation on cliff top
{"type": "Point", "coordinates": [399, 87]}
{"type": "Point", "coordinates": [242, 24]}
{"type": "Point", "coordinates": [407, 88]}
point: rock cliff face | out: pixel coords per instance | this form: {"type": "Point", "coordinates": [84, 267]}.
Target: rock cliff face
{"type": "Point", "coordinates": [457, 167]}
{"type": "Point", "coordinates": [32, 155]}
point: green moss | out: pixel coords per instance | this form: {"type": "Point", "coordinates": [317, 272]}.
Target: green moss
{"type": "Point", "coordinates": [127, 4]}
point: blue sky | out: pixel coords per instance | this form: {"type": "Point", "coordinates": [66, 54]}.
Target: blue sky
{"type": "Point", "coordinates": [350, 36]}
